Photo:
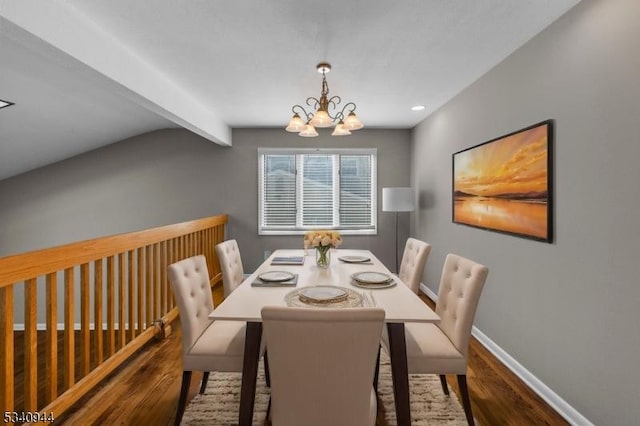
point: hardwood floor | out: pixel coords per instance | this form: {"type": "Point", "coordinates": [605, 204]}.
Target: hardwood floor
{"type": "Point", "coordinates": [145, 390]}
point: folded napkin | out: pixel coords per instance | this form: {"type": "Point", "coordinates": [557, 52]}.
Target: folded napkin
{"type": "Point", "coordinates": [290, 283]}
{"type": "Point", "coordinates": [288, 260]}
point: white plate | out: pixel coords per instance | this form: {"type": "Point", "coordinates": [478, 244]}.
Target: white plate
{"type": "Point", "coordinates": [276, 276]}
{"type": "Point", "coordinates": [371, 277]}
{"type": "Point", "coordinates": [373, 286]}
{"type": "Point", "coordinates": [323, 294]}
{"type": "Point", "coordinates": [354, 259]}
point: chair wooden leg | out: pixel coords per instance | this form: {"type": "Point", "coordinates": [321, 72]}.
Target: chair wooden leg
{"type": "Point", "coordinates": [184, 390]}
{"type": "Point", "coordinates": [268, 417]}
{"type": "Point", "coordinates": [466, 402]}
{"type": "Point", "coordinates": [205, 380]}
{"type": "Point", "coordinates": [250, 362]}
{"type": "Point", "coordinates": [443, 382]}
{"type": "Point", "coordinates": [376, 373]}
{"type": "Point", "coordinates": [267, 376]}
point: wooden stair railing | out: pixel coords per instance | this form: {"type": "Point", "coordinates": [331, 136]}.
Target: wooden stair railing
{"type": "Point", "coordinates": [126, 278]}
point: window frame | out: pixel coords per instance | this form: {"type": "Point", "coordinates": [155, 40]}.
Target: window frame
{"type": "Point", "coordinates": [299, 229]}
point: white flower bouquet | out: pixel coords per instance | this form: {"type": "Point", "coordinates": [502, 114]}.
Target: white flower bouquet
{"type": "Point", "coordinates": [322, 241]}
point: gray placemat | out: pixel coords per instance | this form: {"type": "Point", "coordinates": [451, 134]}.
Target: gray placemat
{"type": "Point", "coordinates": [290, 283]}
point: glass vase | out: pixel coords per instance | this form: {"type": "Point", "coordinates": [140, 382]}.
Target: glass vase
{"type": "Point", "coordinates": [323, 257]}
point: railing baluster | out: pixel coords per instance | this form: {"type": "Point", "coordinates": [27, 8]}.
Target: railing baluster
{"type": "Point", "coordinates": [6, 354]}
{"type": "Point", "coordinates": [85, 336]}
{"type": "Point", "coordinates": [111, 298]}
{"type": "Point", "coordinates": [163, 278]}
{"type": "Point", "coordinates": [148, 291]}
{"type": "Point", "coordinates": [51, 365]}
{"type": "Point", "coordinates": [157, 313]}
{"type": "Point", "coordinates": [131, 275]}
{"type": "Point", "coordinates": [205, 248]}
{"type": "Point", "coordinates": [140, 283]}
{"type": "Point", "coordinates": [176, 258]}
{"type": "Point", "coordinates": [97, 311]}
{"type": "Point", "coordinates": [212, 244]}
{"type": "Point", "coordinates": [171, 255]}
{"type": "Point", "coordinates": [121, 321]}
{"type": "Point", "coordinates": [214, 256]}
{"type": "Point", "coordinates": [30, 346]}
{"type": "Point", "coordinates": [69, 331]}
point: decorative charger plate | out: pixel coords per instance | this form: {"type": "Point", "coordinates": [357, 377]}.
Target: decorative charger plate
{"type": "Point", "coordinates": [276, 276]}
{"type": "Point", "coordinates": [299, 298]}
{"type": "Point", "coordinates": [354, 259]}
{"type": "Point", "coordinates": [322, 294]}
{"type": "Point", "coordinates": [371, 277]}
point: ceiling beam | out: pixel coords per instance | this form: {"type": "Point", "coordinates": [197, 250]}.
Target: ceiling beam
{"type": "Point", "coordinates": [61, 26]}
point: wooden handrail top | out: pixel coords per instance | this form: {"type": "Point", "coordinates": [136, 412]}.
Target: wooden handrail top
{"type": "Point", "coordinates": [19, 267]}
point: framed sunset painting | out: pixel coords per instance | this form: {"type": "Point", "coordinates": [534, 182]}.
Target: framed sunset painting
{"type": "Point", "coordinates": [504, 184]}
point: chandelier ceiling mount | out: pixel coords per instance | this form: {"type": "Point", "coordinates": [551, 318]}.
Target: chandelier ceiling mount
{"type": "Point", "coordinates": [326, 112]}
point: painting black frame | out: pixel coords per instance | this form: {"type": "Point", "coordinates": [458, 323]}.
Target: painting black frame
{"type": "Point", "coordinates": [548, 238]}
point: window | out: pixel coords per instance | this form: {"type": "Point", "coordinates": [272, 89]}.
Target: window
{"type": "Point", "coordinates": [302, 189]}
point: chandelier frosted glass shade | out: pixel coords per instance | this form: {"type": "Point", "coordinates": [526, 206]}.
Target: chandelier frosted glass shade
{"type": "Point", "coordinates": [296, 124]}
{"type": "Point", "coordinates": [308, 132]}
{"type": "Point", "coordinates": [321, 119]}
{"type": "Point", "coordinates": [325, 112]}
{"type": "Point", "coordinates": [340, 130]}
{"type": "Point", "coordinates": [352, 122]}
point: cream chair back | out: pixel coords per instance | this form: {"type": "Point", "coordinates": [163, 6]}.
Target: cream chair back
{"type": "Point", "coordinates": [460, 287]}
{"type": "Point", "coordinates": [190, 284]}
{"type": "Point", "coordinates": [322, 363]}
{"type": "Point", "coordinates": [230, 265]}
{"type": "Point", "coordinates": [414, 259]}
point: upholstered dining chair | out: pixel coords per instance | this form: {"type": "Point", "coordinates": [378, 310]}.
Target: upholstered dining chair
{"type": "Point", "coordinates": [443, 348]}
{"type": "Point", "coordinates": [206, 345]}
{"type": "Point", "coordinates": [230, 265]}
{"type": "Point", "coordinates": [322, 364]}
{"type": "Point", "coordinates": [414, 259]}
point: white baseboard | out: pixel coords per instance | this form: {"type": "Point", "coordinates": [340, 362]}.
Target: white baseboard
{"type": "Point", "coordinates": [569, 413]}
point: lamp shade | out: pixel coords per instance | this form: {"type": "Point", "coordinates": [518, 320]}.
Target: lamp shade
{"type": "Point", "coordinates": [296, 124]}
{"type": "Point", "coordinates": [321, 119]}
{"type": "Point", "coordinates": [340, 130]}
{"type": "Point", "coordinates": [398, 200]}
{"type": "Point", "coordinates": [352, 122]}
{"type": "Point", "coordinates": [309, 131]}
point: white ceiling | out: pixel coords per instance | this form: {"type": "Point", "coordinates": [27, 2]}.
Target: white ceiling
{"type": "Point", "coordinates": [85, 73]}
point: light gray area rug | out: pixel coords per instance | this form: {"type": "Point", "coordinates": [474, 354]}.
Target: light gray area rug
{"type": "Point", "coordinates": [429, 405]}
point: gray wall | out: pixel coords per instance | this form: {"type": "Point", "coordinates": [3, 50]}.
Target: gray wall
{"type": "Point", "coordinates": [567, 311]}
{"type": "Point", "coordinates": [171, 176]}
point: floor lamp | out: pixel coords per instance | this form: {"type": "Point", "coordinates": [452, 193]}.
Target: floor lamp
{"type": "Point", "coordinates": [397, 200]}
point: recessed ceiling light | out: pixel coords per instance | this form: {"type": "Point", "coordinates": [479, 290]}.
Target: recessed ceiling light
{"type": "Point", "coordinates": [417, 108]}
{"type": "Point", "coordinates": [4, 104]}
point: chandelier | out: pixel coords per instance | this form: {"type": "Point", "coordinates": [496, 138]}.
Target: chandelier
{"type": "Point", "coordinates": [327, 112]}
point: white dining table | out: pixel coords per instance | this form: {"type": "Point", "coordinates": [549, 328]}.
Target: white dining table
{"type": "Point", "coordinates": [399, 303]}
